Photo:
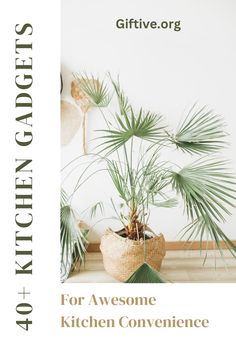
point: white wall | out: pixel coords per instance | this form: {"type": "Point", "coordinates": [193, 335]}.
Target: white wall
{"type": "Point", "coordinates": [163, 71]}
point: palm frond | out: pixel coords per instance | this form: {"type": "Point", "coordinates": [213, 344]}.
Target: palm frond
{"type": "Point", "coordinates": [168, 203]}
{"type": "Point", "coordinates": [206, 226]}
{"type": "Point", "coordinates": [144, 125]}
{"type": "Point", "coordinates": [64, 198]}
{"type": "Point", "coordinates": [157, 180]}
{"type": "Point", "coordinates": [119, 179]}
{"type": "Point", "coordinates": [202, 131]}
{"type": "Point", "coordinates": [207, 187]}
{"type": "Point", "coordinates": [94, 209]}
{"type": "Point", "coordinates": [72, 238]}
{"type": "Point", "coordinates": [123, 101]}
{"type": "Point", "coordinates": [208, 190]}
{"type": "Point", "coordinates": [146, 274]}
{"type": "Point", "coordinates": [152, 179]}
{"type": "Point", "coordinates": [95, 89]}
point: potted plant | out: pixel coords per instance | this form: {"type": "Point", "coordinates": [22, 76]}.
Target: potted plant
{"type": "Point", "coordinates": [131, 147]}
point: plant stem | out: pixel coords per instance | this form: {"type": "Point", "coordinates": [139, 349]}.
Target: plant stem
{"type": "Point", "coordinates": [84, 133]}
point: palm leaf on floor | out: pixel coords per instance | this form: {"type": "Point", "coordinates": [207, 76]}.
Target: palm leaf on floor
{"type": "Point", "coordinates": [146, 274]}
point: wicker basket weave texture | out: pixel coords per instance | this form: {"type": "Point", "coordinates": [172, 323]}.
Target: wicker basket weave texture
{"type": "Point", "coordinates": [122, 256]}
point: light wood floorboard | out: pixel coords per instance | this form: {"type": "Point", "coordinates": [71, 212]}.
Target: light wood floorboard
{"type": "Point", "coordinates": [177, 266]}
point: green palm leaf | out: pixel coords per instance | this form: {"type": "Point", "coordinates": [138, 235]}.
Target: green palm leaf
{"type": "Point", "coordinates": [119, 179]}
{"type": "Point", "coordinates": [208, 190]}
{"type": "Point", "coordinates": [168, 203]}
{"type": "Point", "coordinates": [146, 274]}
{"type": "Point", "coordinates": [206, 187]}
{"type": "Point", "coordinates": [202, 131]}
{"type": "Point", "coordinates": [147, 126]}
{"type": "Point", "coordinates": [122, 98]}
{"type": "Point", "coordinates": [206, 226]}
{"type": "Point", "coordinates": [95, 89]}
{"type": "Point", "coordinates": [72, 238]}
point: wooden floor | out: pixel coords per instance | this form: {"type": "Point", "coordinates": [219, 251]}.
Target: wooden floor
{"type": "Point", "coordinates": [177, 266]}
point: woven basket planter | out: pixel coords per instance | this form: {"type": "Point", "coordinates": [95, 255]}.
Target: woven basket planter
{"type": "Point", "coordinates": [122, 256]}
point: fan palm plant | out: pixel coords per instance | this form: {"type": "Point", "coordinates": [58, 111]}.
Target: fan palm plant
{"type": "Point", "coordinates": [131, 147]}
{"type": "Point", "coordinates": [207, 186]}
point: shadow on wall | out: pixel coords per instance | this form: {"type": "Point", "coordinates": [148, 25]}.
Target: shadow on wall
{"type": "Point", "coordinates": [67, 77]}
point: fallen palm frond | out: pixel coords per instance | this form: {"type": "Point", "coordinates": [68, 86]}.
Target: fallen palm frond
{"type": "Point", "coordinates": [146, 274]}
